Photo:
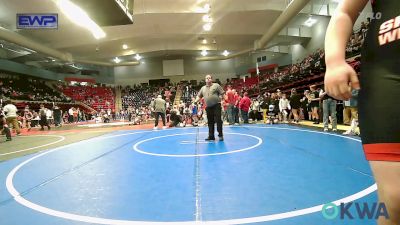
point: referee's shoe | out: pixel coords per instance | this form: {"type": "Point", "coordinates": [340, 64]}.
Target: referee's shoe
{"type": "Point", "coordinates": [210, 139]}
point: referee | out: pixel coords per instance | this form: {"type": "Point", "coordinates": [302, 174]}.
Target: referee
{"type": "Point", "coordinates": [212, 92]}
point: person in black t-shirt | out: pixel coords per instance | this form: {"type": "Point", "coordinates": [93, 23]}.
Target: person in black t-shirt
{"type": "Point", "coordinates": [295, 104]}
{"type": "Point", "coordinates": [313, 101]}
{"type": "Point", "coordinates": [57, 116]}
{"type": "Point", "coordinates": [43, 118]}
{"type": "Point", "coordinates": [379, 86]}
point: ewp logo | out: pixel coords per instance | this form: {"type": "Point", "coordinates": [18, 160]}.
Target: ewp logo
{"type": "Point", "coordinates": [37, 21]}
{"type": "Point", "coordinates": [331, 211]}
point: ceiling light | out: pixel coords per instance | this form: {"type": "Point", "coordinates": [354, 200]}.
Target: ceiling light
{"type": "Point", "coordinates": [207, 7]}
{"type": "Point", "coordinates": [310, 22]}
{"type": "Point", "coordinates": [117, 60]}
{"type": "Point", "coordinates": [225, 53]}
{"type": "Point", "coordinates": [124, 46]}
{"type": "Point", "coordinates": [204, 41]}
{"type": "Point", "coordinates": [207, 18]}
{"type": "Point", "coordinates": [204, 52]}
{"type": "Point", "coordinates": [207, 26]}
{"type": "Point", "coordinates": [138, 57]}
{"type": "Point", "coordinates": [80, 17]}
{"type": "Point", "coordinates": [199, 10]}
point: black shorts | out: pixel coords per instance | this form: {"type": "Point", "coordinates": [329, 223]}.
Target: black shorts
{"type": "Point", "coordinates": [314, 104]}
{"type": "Point", "coordinates": [379, 110]}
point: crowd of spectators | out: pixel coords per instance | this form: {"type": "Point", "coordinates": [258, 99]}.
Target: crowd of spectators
{"type": "Point", "coordinates": [311, 67]}
{"type": "Point", "coordinates": [95, 96]}
{"type": "Point", "coordinates": [30, 89]}
{"type": "Point", "coordinates": [353, 47]}
{"type": "Point", "coordinates": [313, 64]}
{"type": "Point", "coordinates": [189, 92]}
{"type": "Point", "coordinates": [138, 96]}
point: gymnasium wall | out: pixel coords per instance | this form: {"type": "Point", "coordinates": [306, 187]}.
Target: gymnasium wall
{"type": "Point", "coordinates": [193, 70]}
{"type": "Point", "coordinates": [299, 52]}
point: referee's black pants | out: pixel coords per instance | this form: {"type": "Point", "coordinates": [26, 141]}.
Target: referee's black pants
{"type": "Point", "coordinates": [158, 114]}
{"type": "Point", "coordinates": [214, 115]}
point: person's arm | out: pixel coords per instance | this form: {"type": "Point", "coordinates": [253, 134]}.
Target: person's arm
{"type": "Point", "coordinates": [322, 93]}
{"type": "Point", "coordinates": [199, 96]}
{"type": "Point", "coordinates": [338, 73]}
{"type": "Point", "coordinates": [221, 93]}
{"type": "Point", "coordinates": [315, 99]}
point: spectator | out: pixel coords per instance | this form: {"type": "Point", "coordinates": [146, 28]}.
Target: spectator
{"type": "Point", "coordinates": [313, 99]}
{"type": "Point", "coordinates": [4, 127]}
{"type": "Point", "coordinates": [328, 109]}
{"type": "Point", "coordinates": [284, 107]}
{"type": "Point", "coordinates": [10, 110]}
{"type": "Point", "coordinates": [244, 107]}
{"type": "Point", "coordinates": [159, 107]}
{"type": "Point", "coordinates": [350, 110]}
{"type": "Point", "coordinates": [43, 118]}
{"type": "Point", "coordinates": [28, 116]}
{"type": "Point", "coordinates": [57, 116]}
{"type": "Point", "coordinates": [295, 104]}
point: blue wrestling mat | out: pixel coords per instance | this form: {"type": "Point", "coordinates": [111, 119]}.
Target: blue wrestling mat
{"type": "Point", "coordinates": [259, 174]}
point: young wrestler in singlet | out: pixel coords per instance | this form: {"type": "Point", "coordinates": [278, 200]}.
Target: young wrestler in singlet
{"type": "Point", "coordinates": [379, 90]}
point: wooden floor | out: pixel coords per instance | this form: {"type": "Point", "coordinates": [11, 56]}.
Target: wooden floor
{"type": "Point", "coordinates": [340, 127]}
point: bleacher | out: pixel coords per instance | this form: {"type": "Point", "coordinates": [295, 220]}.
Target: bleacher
{"type": "Point", "coordinates": [299, 76]}
{"type": "Point", "coordinates": [27, 88]}
{"type": "Point", "coordinates": [96, 97]}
